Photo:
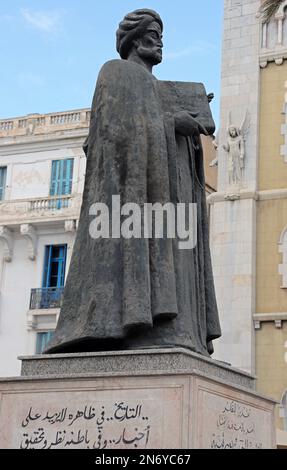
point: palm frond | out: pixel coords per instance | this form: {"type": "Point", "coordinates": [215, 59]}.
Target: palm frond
{"type": "Point", "coordinates": [269, 8]}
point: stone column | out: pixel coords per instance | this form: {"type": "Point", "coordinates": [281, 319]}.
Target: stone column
{"type": "Point", "coordinates": [233, 210]}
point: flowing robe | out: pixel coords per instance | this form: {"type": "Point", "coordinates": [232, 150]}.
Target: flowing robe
{"type": "Point", "coordinates": [137, 293]}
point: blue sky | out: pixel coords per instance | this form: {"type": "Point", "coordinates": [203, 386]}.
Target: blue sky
{"type": "Point", "coordinates": [52, 51]}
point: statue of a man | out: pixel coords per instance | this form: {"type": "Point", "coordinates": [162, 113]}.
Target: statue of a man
{"type": "Point", "coordinates": [139, 293]}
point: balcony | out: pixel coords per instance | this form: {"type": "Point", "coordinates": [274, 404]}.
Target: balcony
{"type": "Point", "coordinates": [50, 204]}
{"type": "Point", "coordinates": [46, 298]}
{"type": "Point", "coordinates": [40, 210]}
{"type": "Point", "coordinates": [44, 124]}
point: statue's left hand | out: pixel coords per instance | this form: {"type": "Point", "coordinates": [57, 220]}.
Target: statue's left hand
{"type": "Point", "coordinates": [187, 125]}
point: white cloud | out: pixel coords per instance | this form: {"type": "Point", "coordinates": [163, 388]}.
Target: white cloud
{"type": "Point", "coordinates": [45, 21]}
{"type": "Point", "coordinates": [195, 49]}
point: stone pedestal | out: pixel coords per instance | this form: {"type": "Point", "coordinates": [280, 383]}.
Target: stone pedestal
{"type": "Point", "coordinates": [150, 399]}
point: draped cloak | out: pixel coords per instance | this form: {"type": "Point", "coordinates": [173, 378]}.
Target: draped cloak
{"type": "Point", "coordinates": [138, 293]}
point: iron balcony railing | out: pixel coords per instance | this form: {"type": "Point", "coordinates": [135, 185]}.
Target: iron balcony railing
{"type": "Point", "coordinates": [46, 298]}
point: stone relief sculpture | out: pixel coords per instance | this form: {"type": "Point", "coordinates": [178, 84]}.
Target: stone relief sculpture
{"type": "Point", "coordinates": [235, 148]}
{"type": "Point", "coordinates": [144, 145]}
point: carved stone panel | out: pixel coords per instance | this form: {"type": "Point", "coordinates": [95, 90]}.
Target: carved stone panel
{"type": "Point", "coordinates": [117, 418]}
{"type": "Point", "coordinates": [231, 420]}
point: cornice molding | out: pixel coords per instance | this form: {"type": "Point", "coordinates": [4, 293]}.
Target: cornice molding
{"type": "Point", "coordinates": [266, 195]}
{"type": "Point", "coordinates": [273, 56]}
{"type": "Point", "coordinates": [49, 144]}
{"type": "Point", "coordinates": [232, 196]}
{"type": "Point", "coordinates": [277, 318]}
{"type": "Point", "coordinates": [272, 194]}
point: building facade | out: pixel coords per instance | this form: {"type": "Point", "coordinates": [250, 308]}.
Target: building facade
{"type": "Point", "coordinates": [42, 172]}
{"type": "Point", "coordinates": [249, 212]}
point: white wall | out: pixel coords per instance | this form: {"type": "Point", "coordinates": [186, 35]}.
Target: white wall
{"type": "Point", "coordinates": [17, 280]}
{"type": "Point", "coordinates": [28, 177]}
{"type": "Point", "coordinates": [29, 174]}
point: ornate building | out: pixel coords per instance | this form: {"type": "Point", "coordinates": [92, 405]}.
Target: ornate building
{"type": "Point", "coordinates": [42, 172]}
{"type": "Point", "coordinates": [42, 168]}
{"type": "Point", "coordinates": [249, 212]}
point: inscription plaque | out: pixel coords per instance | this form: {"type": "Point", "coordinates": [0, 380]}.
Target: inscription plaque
{"type": "Point", "coordinates": [227, 422]}
{"type": "Point", "coordinates": [118, 419]}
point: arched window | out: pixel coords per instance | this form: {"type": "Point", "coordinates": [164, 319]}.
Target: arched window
{"type": "Point", "coordinates": [274, 32]}
{"type": "Point", "coordinates": [283, 410]}
{"type": "Point", "coordinates": [283, 250]}
{"type": "Point", "coordinates": [284, 126]}
{"type": "Point", "coordinates": [280, 17]}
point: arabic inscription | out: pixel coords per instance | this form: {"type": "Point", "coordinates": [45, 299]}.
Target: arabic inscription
{"type": "Point", "coordinates": [91, 427]}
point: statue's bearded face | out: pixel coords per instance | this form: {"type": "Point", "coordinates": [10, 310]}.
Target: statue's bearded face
{"type": "Point", "coordinates": [149, 46]}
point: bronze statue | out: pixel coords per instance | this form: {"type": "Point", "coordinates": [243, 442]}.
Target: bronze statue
{"type": "Point", "coordinates": [144, 145]}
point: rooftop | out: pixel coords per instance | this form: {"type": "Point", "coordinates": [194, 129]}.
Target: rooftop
{"type": "Point", "coordinates": [40, 124]}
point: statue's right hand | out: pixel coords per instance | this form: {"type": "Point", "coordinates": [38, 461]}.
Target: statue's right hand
{"type": "Point", "coordinates": [187, 125]}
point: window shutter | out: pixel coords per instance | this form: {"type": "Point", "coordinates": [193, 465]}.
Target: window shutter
{"type": "Point", "coordinates": [70, 169]}
{"type": "Point", "coordinates": [54, 266]}
{"type": "Point", "coordinates": [47, 266]}
{"type": "Point", "coordinates": [42, 341]}
{"type": "Point", "coordinates": [62, 177]}
{"type": "Point", "coordinates": [3, 172]}
{"type": "Point", "coordinates": [55, 178]}
{"type": "Point", "coordinates": [62, 266]}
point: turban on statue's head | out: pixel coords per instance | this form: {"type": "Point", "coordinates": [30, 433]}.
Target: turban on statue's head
{"type": "Point", "coordinates": [132, 27]}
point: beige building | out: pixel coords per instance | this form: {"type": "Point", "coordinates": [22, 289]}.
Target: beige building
{"type": "Point", "coordinates": [271, 280]}
{"type": "Point", "coordinates": [249, 211]}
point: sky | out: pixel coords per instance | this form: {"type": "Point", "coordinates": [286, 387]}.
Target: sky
{"type": "Point", "coordinates": [52, 50]}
